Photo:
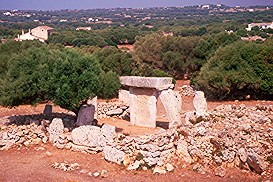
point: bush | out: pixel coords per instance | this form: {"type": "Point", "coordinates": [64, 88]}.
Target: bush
{"type": "Point", "coordinates": [238, 70]}
{"type": "Point", "coordinates": [66, 77]}
{"type": "Point", "coordinates": [110, 85]}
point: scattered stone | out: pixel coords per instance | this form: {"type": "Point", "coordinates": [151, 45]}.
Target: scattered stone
{"type": "Point", "coordinates": [104, 174]}
{"type": "Point", "coordinates": [159, 170]}
{"type": "Point", "coordinates": [220, 171]}
{"type": "Point", "coordinates": [83, 171]}
{"type": "Point", "coordinates": [169, 167]}
{"type": "Point", "coordinates": [48, 153]}
{"type": "Point", "coordinates": [96, 174]}
{"type": "Point", "coordinates": [242, 154]}
{"type": "Point", "coordinates": [134, 166]}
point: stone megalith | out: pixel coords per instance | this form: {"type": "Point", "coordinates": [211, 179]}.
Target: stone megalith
{"type": "Point", "coordinates": [86, 115]}
{"type": "Point", "coordinates": [200, 103]}
{"type": "Point", "coordinates": [47, 110]}
{"type": "Point", "coordinates": [171, 106]}
{"type": "Point", "coordinates": [144, 92]}
{"type": "Point", "coordinates": [55, 129]}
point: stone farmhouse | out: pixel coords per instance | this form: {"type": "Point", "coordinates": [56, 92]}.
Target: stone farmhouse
{"type": "Point", "coordinates": [40, 33]}
{"type": "Point", "coordinates": [260, 25]}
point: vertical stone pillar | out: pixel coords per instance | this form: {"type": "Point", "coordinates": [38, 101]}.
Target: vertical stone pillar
{"type": "Point", "coordinates": [94, 102]}
{"type": "Point", "coordinates": [143, 106]}
{"type": "Point", "coordinates": [171, 105]}
{"type": "Point", "coordinates": [200, 103]}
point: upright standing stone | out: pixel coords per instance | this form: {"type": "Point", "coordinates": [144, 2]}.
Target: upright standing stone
{"type": "Point", "coordinates": [124, 96]}
{"type": "Point", "coordinates": [179, 101]}
{"type": "Point", "coordinates": [94, 102]}
{"type": "Point", "coordinates": [170, 103]}
{"type": "Point", "coordinates": [144, 92]}
{"type": "Point", "coordinates": [86, 115]}
{"type": "Point", "coordinates": [47, 110]}
{"type": "Point", "coordinates": [55, 129]}
{"type": "Point", "coordinates": [200, 104]}
{"type": "Point", "coordinates": [143, 106]}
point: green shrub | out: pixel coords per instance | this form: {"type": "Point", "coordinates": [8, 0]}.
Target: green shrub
{"type": "Point", "coordinates": [110, 85]}
{"type": "Point", "coordinates": [238, 70]}
{"type": "Point", "coordinates": [66, 77]}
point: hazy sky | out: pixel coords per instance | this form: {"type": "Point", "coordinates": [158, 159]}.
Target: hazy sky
{"type": "Point", "coordinates": [91, 4]}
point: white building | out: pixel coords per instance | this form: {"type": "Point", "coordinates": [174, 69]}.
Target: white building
{"type": "Point", "coordinates": [260, 25]}
{"type": "Point", "coordinates": [40, 33]}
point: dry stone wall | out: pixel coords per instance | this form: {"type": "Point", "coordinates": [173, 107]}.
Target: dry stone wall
{"type": "Point", "coordinates": [229, 136]}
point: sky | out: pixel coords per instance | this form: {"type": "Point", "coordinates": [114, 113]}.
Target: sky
{"type": "Point", "coordinates": [92, 4]}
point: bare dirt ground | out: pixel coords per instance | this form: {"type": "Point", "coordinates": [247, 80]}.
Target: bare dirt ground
{"type": "Point", "coordinates": [34, 164]}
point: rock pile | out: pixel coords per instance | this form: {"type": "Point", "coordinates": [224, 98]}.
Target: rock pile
{"type": "Point", "coordinates": [228, 136]}
{"type": "Point", "coordinates": [65, 166]}
{"type": "Point", "coordinates": [232, 136]}
{"type": "Point", "coordinates": [21, 135]}
{"type": "Point", "coordinates": [109, 109]}
{"type": "Point", "coordinates": [186, 90]}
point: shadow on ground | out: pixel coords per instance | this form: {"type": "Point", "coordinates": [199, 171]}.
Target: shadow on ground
{"type": "Point", "coordinates": [68, 120]}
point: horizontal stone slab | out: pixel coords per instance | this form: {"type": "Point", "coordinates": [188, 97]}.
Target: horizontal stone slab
{"type": "Point", "coordinates": [146, 82]}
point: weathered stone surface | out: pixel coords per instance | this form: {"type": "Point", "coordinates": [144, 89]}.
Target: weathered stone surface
{"type": "Point", "coordinates": [104, 173]}
{"type": "Point", "coordinates": [94, 102]}
{"type": "Point", "coordinates": [108, 131]}
{"type": "Point", "coordinates": [182, 150]}
{"type": "Point", "coordinates": [200, 104]}
{"type": "Point", "coordinates": [86, 115]}
{"type": "Point", "coordinates": [87, 136]}
{"type": "Point", "coordinates": [146, 82]}
{"type": "Point", "coordinates": [118, 111]}
{"type": "Point", "coordinates": [220, 171]}
{"type": "Point", "coordinates": [171, 106]}
{"type": "Point", "coordinates": [143, 107]}
{"type": "Point", "coordinates": [47, 110]}
{"type": "Point", "coordinates": [159, 170]}
{"type": "Point", "coordinates": [242, 154]}
{"type": "Point", "coordinates": [113, 155]}
{"type": "Point", "coordinates": [256, 163]}
{"type": "Point", "coordinates": [134, 166]}
{"type": "Point", "coordinates": [179, 101]}
{"type": "Point", "coordinates": [169, 167]}
{"type": "Point", "coordinates": [55, 129]}
{"type": "Point", "coordinates": [124, 96]}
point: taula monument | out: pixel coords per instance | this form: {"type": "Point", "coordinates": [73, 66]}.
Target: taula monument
{"type": "Point", "coordinates": [143, 95]}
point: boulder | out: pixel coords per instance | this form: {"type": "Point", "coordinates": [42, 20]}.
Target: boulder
{"type": "Point", "coordinates": [108, 131]}
{"type": "Point", "coordinates": [55, 129]}
{"type": "Point", "coordinates": [87, 136]}
{"type": "Point", "coordinates": [113, 155]}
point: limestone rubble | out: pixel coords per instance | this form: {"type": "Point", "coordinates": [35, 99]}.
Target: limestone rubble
{"type": "Point", "coordinates": [229, 136]}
